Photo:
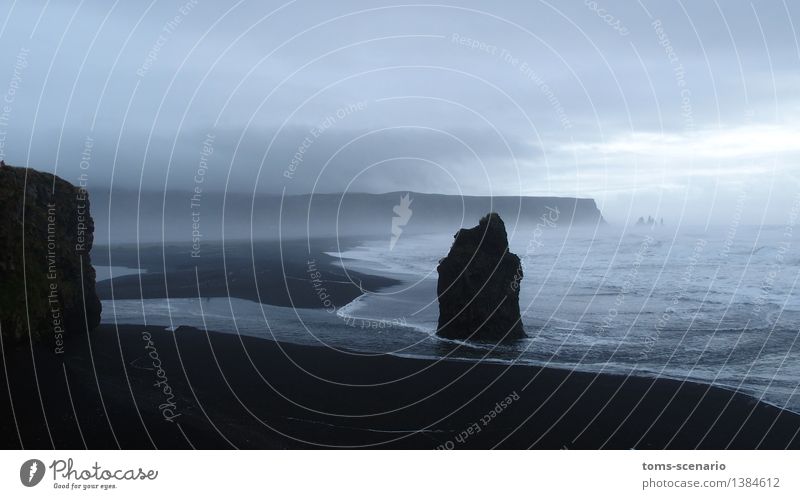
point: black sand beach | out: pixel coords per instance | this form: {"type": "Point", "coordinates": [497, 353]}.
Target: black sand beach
{"type": "Point", "coordinates": [287, 273]}
{"type": "Point", "coordinates": [226, 391]}
{"type": "Point", "coordinates": [137, 386]}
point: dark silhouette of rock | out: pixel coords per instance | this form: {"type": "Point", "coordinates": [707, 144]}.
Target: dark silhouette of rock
{"type": "Point", "coordinates": [478, 287]}
{"type": "Point", "coordinates": [46, 233]}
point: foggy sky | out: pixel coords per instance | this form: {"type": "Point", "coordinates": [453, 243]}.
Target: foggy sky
{"type": "Point", "coordinates": [686, 110]}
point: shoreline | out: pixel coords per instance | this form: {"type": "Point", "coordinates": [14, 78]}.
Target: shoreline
{"type": "Point", "coordinates": [231, 391]}
{"type": "Point", "coordinates": [137, 387]}
{"type": "Point", "coordinates": [493, 360]}
{"type": "Point", "coordinates": [294, 273]}
{"type": "Point", "coordinates": [343, 295]}
{"type": "Point", "coordinates": [643, 375]}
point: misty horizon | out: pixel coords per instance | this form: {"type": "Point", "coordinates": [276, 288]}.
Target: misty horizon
{"type": "Point", "coordinates": [646, 109]}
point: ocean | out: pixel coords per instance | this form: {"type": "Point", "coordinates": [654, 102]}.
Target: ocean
{"type": "Point", "coordinates": [717, 306]}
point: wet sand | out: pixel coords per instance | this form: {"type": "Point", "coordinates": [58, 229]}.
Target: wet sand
{"type": "Point", "coordinates": [226, 391]}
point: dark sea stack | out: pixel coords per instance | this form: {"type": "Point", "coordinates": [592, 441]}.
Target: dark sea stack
{"type": "Point", "coordinates": [46, 234]}
{"type": "Point", "coordinates": [478, 287]}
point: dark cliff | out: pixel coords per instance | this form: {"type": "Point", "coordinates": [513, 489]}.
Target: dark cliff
{"type": "Point", "coordinates": [479, 283]}
{"type": "Point", "coordinates": [46, 234]}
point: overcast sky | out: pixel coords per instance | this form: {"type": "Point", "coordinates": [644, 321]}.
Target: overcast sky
{"type": "Point", "coordinates": [687, 110]}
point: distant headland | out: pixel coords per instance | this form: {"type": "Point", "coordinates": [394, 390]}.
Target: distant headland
{"type": "Point", "coordinates": [170, 215]}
